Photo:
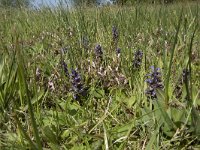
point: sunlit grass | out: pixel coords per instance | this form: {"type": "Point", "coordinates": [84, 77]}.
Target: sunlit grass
{"type": "Point", "coordinates": [37, 104]}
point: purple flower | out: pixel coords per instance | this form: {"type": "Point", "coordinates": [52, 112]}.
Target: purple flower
{"type": "Point", "coordinates": [118, 51]}
{"type": "Point", "coordinates": [115, 34]}
{"type": "Point", "coordinates": [182, 79]}
{"type": "Point", "coordinates": [64, 65]}
{"type": "Point", "coordinates": [154, 81]}
{"type": "Point", "coordinates": [78, 89]}
{"type": "Point", "coordinates": [138, 55]}
{"type": "Point", "coordinates": [185, 75]}
{"type": "Point", "coordinates": [98, 51]}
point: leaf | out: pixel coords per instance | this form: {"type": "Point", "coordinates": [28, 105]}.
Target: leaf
{"type": "Point", "coordinates": [130, 101]}
{"type": "Point", "coordinates": [54, 146]}
{"type": "Point", "coordinates": [105, 138]}
{"type": "Point", "coordinates": [65, 134]}
{"type": "Point", "coordinates": [79, 147]}
{"type": "Point", "coordinates": [161, 106]}
{"type": "Point", "coordinates": [165, 116]}
{"type": "Point", "coordinates": [123, 128]}
{"type": "Point", "coordinates": [35, 99]}
{"type": "Point", "coordinates": [72, 112]}
{"type": "Point", "coordinates": [151, 141]}
{"type": "Point", "coordinates": [98, 93]}
{"type": "Point", "coordinates": [196, 121]}
{"type": "Point", "coordinates": [49, 135]}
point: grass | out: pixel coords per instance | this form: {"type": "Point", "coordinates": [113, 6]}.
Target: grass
{"type": "Point", "coordinates": [40, 48]}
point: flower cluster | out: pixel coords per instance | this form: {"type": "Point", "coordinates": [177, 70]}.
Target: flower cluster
{"type": "Point", "coordinates": [98, 51]}
{"type": "Point", "coordinates": [77, 87]}
{"type": "Point", "coordinates": [154, 81]}
{"type": "Point", "coordinates": [138, 55]}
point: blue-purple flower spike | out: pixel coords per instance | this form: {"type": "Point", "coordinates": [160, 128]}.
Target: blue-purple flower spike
{"type": "Point", "coordinates": [98, 51]}
{"type": "Point", "coordinates": [77, 86]}
{"type": "Point", "coordinates": [118, 51]}
{"type": "Point", "coordinates": [64, 65]}
{"type": "Point", "coordinates": [115, 34]}
{"type": "Point", "coordinates": [154, 81]}
{"type": "Point", "coordinates": [185, 75]}
{"type": "Point", "coordinates": [138, 55]}
{"type": "Point", "coordinates": [182, 79]}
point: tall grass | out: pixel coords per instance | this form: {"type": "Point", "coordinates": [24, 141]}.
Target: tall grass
{"type": "Point", "coordinates": [37, 104]}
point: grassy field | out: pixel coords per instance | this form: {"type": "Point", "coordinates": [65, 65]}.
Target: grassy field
{"type": "Point", "coordinates": [100, 78]}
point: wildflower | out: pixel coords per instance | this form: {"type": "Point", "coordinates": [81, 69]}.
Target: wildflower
{"type": "Point", "coordinates": [154, 82]}
{"type": "Point", "coordinates": [118, 51]}
{"type": "Point", "coordinates": [185, 75]}
{"type": "Point", "coordinates": [38, 74]}
{"type": "Point", "coordinates": [115, 34]}
{"type": "Point", "coordinates": [183, 79]}
{"type": "Point", "coordinates": [52, 79]}
{"type": "Point", "coordinates": [77, 86]}
{"type": "Point", "coordinates": [64, 65]}
{"type": "Point", "coordinates": [138, 55]}
{"type": "Point", "coordinates": [51, 85]}
{"type": "Point", "coordinates": [98, 51]}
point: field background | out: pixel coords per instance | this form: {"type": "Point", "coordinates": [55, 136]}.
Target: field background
{"type": "Point", "coordinates": [40, 48]}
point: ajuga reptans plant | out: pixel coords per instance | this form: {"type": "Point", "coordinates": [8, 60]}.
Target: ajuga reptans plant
{"type": "Point", "coordinates": [154, 82]}
{"type": "Point", "coordinates": [98, 51]}
{"type": "Point", "coordinates": [79, 91]}
{"type": "Point", "coordinates": [137, 62]}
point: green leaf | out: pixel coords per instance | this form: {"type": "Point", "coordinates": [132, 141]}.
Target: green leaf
{"type": "Point", "coordinates": [98, 93]}
{"type": "Point", "coordinates": [179, 116]}
{"type": "Point", "coordinates": [49, 135]}
{"type": "Point", "coordinates": [165, 116]}
{"type": "Point", "coordinates": [196, 121]}
{"type": "Point", "coordinates": [35, 99]}
{"type": "Point", "coordinates": [151, 141]}
{"type": "Point", "coordinates": [160, 104]}
{"type": "Point", "coordinates": [123, 128]}
{"type": "Point", "coordinates": [65, 134]}
{"type": "Point", "coordinates": [130, 101]}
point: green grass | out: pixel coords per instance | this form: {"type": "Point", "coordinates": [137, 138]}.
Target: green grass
{"type": "Point", "coordinates": [37, 109]}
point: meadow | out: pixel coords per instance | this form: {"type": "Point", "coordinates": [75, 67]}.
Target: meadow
{"type": "Point", "coordinates": [100, 78]}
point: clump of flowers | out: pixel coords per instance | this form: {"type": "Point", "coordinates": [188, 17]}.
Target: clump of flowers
{"type": "Point", "coordinates": [110, 76]}
{"type": "Point", "coordinates": [154, 82]}
{"type": "Point", "coordinates": [78, 89]}
{"type": "Point", "coordinates": [98, 51]}
{"type": "Point", "coordinates": [138, 55]}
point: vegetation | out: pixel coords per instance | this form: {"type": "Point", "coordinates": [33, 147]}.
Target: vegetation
{"type": "Point", "coordinates": [100, 78]}
{"type": "Point", "coordinates": [15, 3]}
{"type": "Point", "coordinates": [128, 2]}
